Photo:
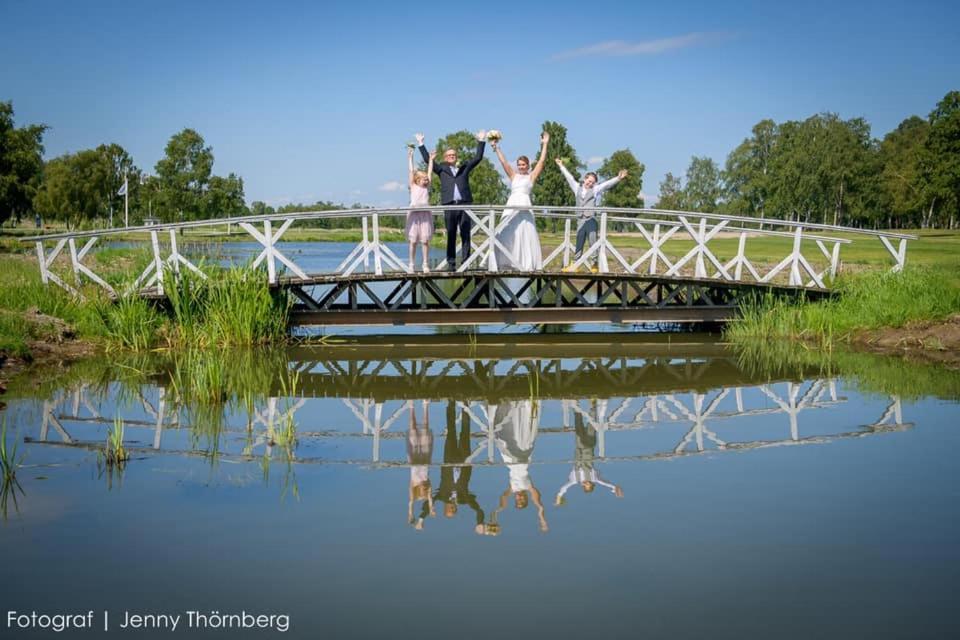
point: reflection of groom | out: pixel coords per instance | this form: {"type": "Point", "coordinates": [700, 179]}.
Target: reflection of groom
{"type": "Point", "coordinates": [455, 189]}
{"type": "Point", "coordinates": [454, 486]}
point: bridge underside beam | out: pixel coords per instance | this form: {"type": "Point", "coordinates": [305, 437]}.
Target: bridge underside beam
{"type": "Point", "coordinates": [516, 298]}
{"type": "Point", "coordinates": [574, 315]}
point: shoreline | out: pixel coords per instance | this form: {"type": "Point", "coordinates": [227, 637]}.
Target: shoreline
{"type": "Point", "coordinates": [934, 343]}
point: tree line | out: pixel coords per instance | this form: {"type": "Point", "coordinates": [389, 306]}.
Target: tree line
{"type": "Point", "coordinates": [828, 170]}
{"type": "Point", "coordinates": [822, 169]}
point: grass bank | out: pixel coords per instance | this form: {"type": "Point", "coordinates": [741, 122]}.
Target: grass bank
{"type": "Point", "coordinates": [915, 313]}
{"type": "Point", "coordinates": [230, 307]}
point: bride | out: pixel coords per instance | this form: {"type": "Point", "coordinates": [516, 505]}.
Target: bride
{"type": "Point", "coordinates": [518, 247]}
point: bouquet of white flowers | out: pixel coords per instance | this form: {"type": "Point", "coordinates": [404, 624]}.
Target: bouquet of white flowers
{"type": "Point", "coordinates": [494, 136]}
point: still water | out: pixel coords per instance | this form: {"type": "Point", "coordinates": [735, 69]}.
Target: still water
{"type": "Point", "coordinates": [532, 486]}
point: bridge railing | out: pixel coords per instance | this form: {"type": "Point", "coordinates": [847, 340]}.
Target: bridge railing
{"type": "Point", "coordinates": [653, 228]}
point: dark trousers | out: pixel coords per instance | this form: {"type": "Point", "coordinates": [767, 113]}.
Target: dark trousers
{"type": "Point", "coordinates": [455, 220]}
{"type": "Point", "coordinates": [587, 230]}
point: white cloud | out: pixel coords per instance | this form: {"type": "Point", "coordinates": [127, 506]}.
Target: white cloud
{"type": "Point", "coordinates": [644, 47]}
{"type": "Point", "coordinates": [393, 185]}
{"type": "Point", "coordinates": [593, 161]}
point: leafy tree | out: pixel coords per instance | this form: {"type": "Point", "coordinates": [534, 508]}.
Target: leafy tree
{"type": "Point", "coordinates": [671, 193]}
{"type": "Point", "coordinates": [822, 169]}
{"type": "Point", "coordinates": [259, 208]}
{"type": "Point", "coordinates": [184, 174]}
{"type": "Point", "coordinates": [485, 182]}
{"type": "Point", "coordinates": [703, 190]}
{"type": "Point", "coordinates": [21, 164]}
{"type": "Point", "coordinates": [900, 159]}
{"type": "Point", "coordinates": [115, 166]}
{"type": "Point", "coordinates": [627, 192]}
{"type": "Point", "coordinates": [940, 161]}
{"type": "Point", "coordinates": [224, 197]}
{"type": "Point", "coordinates": [746, 176]}
{"type": "Point", "coordinates": [72, 188]}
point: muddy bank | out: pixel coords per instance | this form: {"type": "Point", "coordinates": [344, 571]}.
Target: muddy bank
{"type": "Point", "coordinates": [933, 342]}
{"type": "Point", "coordinates": [57, 346]}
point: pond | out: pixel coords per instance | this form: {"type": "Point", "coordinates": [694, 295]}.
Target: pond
{"type": "Point", "coordinates": [592, 485]}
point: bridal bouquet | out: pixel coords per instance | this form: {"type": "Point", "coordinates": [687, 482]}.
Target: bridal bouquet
{"type": "Point", "coordinates": [494, 136]}
{"type": "Point", "coordinates": [411, 145]}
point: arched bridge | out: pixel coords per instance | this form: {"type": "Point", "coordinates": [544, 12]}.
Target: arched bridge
{"type": "Point", "coordinates": [652, 265]}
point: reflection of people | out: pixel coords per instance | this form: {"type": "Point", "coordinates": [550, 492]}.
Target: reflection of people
{"type": "Point", "coordinates": [586, 195]}
{"type": "Point", "coordinates": [518, 421]}
{"type": "Point", "coordinates": [519, 235]}
{"type": "Point", "coordinates": [455, 189]}
{"type": "Point", "coordinates": [454, 486]}
{"type": "Point", "coordinates": [419, 455]}
{"type": "Point", "coordinates": [584, 473]}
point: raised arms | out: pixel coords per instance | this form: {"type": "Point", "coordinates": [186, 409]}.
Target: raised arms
{"type": "Point", "coordinates": [410, 171]}
{"type": "Point", "coordinates": [478, 156]}
{"type": "Point", "coordinates": [568, 176]}
{"type": "Point", "coordinates": [544, 140]}
{"type": "Point", "coordinates": [606, 184]}
{"type": "Point", "coordinates": [424, 154]}
{"type": "Point", "coordinates": [503, 161]}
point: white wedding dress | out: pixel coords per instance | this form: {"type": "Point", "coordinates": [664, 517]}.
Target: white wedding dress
{"type": "Point", "coordinates": [518, 235]}
{"type": "Point", "coordinates": [516, 422]}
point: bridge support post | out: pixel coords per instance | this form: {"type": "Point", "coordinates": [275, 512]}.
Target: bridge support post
{"type": "Point", "coordinates": [899, 254]}
{"type": "Point", "coordinates": [157, 261]}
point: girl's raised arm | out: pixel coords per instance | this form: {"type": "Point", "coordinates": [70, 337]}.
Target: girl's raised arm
{"type": "Point", "coordinates": [433, 154]}
{"type": "Point", "coordinates": [410, 172]}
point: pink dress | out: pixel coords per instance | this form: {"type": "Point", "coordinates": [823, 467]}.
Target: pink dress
{"type": "Point", "coordinates": [419, 223]}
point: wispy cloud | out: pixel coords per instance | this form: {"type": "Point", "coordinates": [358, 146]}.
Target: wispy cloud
{"type": "Point", "coordinates": [393, 185]}
{"type": "Point", "coordinates": [642, 48]}
{"type": "Point", "coordinates": [593, 161]}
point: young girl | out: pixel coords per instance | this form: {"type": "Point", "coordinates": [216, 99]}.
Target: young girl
{"type": "Point", "coordinates": [419, 223]}
{"type": "Point", "coordinates": [419, 455]}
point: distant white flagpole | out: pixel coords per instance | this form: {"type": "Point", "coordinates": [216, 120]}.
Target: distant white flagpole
{"type": "Point", "coordinates": [126, 202]}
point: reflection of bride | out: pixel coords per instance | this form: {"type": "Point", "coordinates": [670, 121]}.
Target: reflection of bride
{"type": "Point", "coordinates": [516, 422]}
{"type": "Point", "coordinates": [518, 243]}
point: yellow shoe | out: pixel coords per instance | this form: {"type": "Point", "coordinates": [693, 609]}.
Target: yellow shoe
{"type": "Point", "coordinates": [570, 269]}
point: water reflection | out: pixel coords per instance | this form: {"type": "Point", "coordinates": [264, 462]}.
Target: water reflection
{"type": "Point", "coordinates": [346, 405]}
{"type": "Point", "coordinates": [585, 472]}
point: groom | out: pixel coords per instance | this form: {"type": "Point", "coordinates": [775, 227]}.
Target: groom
{"type": "Point", "coordinates": [455, 189]}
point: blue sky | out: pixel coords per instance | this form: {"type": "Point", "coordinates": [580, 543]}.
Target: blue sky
{"type": "Point", "coordinates": [307, 101]}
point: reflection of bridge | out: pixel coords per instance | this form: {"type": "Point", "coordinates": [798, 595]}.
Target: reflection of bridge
{"type": "Point", "coordinates": [676, 267]}
{"type": "Point", "coordinates": [709, 419]}
{"type": "Point", "coordinates": [554, 378]}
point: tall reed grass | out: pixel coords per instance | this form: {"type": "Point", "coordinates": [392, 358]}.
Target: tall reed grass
{"type": "Point", "coordinates": [863, 301]}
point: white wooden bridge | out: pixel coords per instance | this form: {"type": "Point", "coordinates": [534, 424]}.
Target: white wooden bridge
{"type": "Point", "coordinates": [652, 264]}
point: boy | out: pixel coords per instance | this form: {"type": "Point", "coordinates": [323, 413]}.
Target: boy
{"type": "Point", "coordinates": [587, 196]}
